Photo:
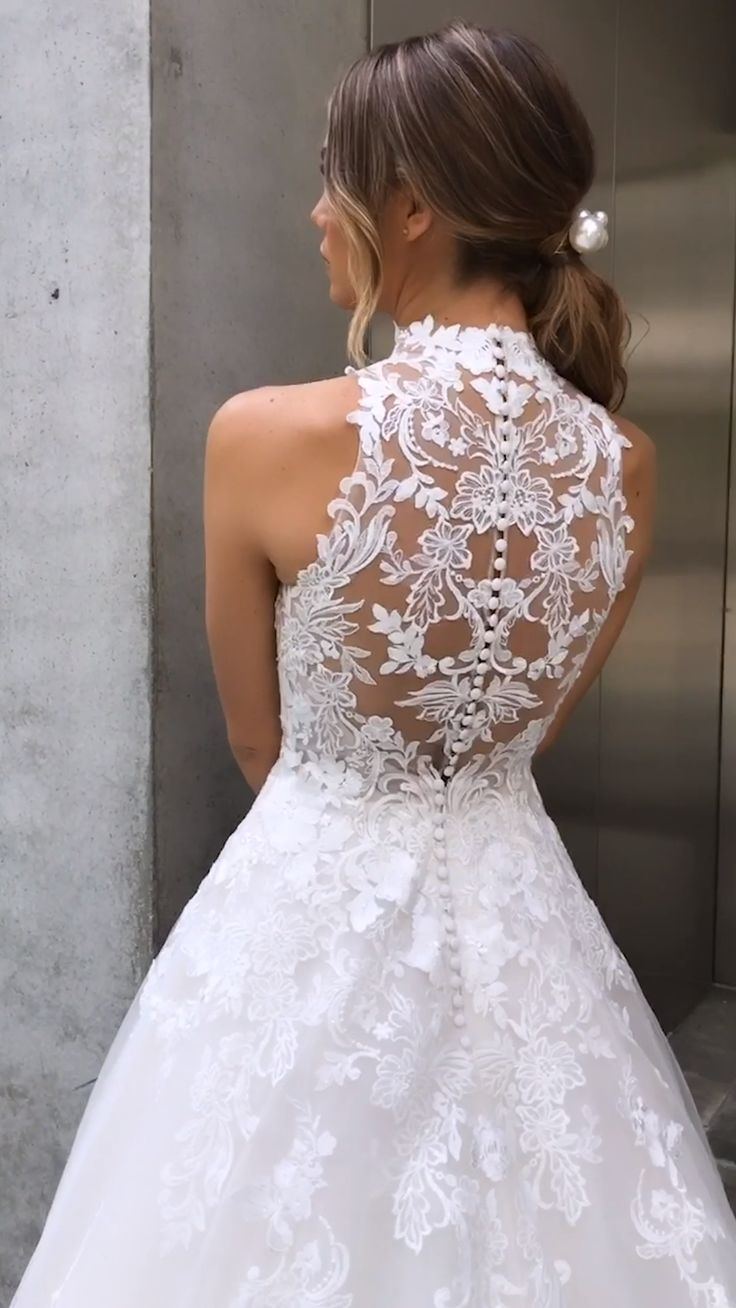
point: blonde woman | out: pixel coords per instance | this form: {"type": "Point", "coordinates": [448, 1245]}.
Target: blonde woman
{"type": "Point", "coordinates": [389, 1056]}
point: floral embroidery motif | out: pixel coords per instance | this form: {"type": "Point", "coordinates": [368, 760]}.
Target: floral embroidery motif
{"type": "Point", "coordinates": [408, 1077]}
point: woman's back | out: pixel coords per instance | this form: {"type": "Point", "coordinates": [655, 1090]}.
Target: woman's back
{"type": "Point", "coordinates": [475, 554]}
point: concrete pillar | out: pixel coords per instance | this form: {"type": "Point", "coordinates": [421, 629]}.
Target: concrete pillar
{"type": "Point", "coordinates": [75, 668]}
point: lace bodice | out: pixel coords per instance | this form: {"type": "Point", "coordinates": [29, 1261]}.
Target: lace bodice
{"type": "Point", "coordinates": [474, 555]}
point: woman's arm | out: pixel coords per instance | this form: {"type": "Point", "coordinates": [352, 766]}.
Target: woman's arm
{"type": "Point", "coordinates": [241, 584]}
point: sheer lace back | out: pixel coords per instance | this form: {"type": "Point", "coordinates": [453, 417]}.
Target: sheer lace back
{"type": "Point", "coordinates": [475, 552]}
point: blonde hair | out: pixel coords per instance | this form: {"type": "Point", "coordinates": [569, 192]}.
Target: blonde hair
{"type": "Point", "coordinates": [481, 126]}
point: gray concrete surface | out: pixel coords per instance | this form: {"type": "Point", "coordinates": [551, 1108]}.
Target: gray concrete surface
{"type": "Point", "coordinates": [75, 859]}
{"type": "Point", "coordinates": [239, 300]}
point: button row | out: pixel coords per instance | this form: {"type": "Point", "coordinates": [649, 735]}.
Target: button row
{"type": "Point", "coordinates": [469, 717]}
{"type": "Point", "coordinates": [450, 928]}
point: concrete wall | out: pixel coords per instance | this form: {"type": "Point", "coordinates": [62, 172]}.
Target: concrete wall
{"type": "Point", "coordinates": [239, 94]}
{"type": "Point", "coordinates": [75, 859]}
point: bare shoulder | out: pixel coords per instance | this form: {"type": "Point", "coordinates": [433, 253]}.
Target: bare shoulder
{"type": "Point", "coordinates": [641, 456]}
{"type": "Point", "coordinates": [263, 429]}
{"type": "Point", "coordinates": [274, 459]}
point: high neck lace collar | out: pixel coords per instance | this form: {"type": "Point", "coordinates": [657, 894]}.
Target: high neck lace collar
{"type": "Point", "coordinates": [426, 335]}
{"type": "Point", "coordinates": [428, 328]}
{"type": "Point", "coordinates": [469, 347]}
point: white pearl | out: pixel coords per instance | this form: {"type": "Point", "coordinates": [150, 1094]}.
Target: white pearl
{"type": "Point", "coordinates": [476, 692]}
{"type": "Point", "coordinates": [502, 524]}
{"type": "Point", "coordinates": [496, 584]}
{"type": "Point", "coordinates": [499, 563]}
{"type": "Point", "coordinates": [465, 1041]}
{"type": "Point", "coordinates": [459, 1019]}
{"type": "Point", "coordinates": [501, 545]}
{"type": "Point", "coordinates": [589, 232]}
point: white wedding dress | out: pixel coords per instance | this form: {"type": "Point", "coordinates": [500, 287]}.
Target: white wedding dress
{"type": "Point", "coordinates": [389, 1056]}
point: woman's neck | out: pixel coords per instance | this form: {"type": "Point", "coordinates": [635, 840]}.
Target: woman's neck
{"type": "Point", "coordinates": [475, 305]}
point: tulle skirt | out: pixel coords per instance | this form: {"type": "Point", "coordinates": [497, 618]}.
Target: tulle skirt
{"type": "Point", "coordinates": [359, 1075]}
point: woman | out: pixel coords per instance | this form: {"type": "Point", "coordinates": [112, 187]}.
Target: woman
{"type": "Point", "coordinates": [389, 1054]}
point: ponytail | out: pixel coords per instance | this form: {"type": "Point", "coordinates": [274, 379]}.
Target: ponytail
{"type": "Point", "coordinates": [580, 326]}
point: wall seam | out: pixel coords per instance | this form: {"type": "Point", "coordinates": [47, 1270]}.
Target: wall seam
{"type": "Point", "coordinates": [729, 561]}
{"type": "Point", "coordinates": [152, 606]}
{"type": "Point", "coordinates": [597, 803]}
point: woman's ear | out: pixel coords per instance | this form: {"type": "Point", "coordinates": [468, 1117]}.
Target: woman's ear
{"type": "Point", "coordinates": [417, 217]}
{"type": "Point", "coordinates": [409, 215]}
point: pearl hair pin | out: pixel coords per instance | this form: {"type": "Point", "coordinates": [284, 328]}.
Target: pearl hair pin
{"type": "Point", "coordinates": [589, 232]}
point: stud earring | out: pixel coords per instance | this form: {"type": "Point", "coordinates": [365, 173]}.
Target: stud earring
{"type": "Point", "coordinates": [405, 230]}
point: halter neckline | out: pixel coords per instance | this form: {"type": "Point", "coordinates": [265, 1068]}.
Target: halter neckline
{"type": "Point", "coordinates": [429, 330]}
{"type": "Point", "coordinates": [461, 345]}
